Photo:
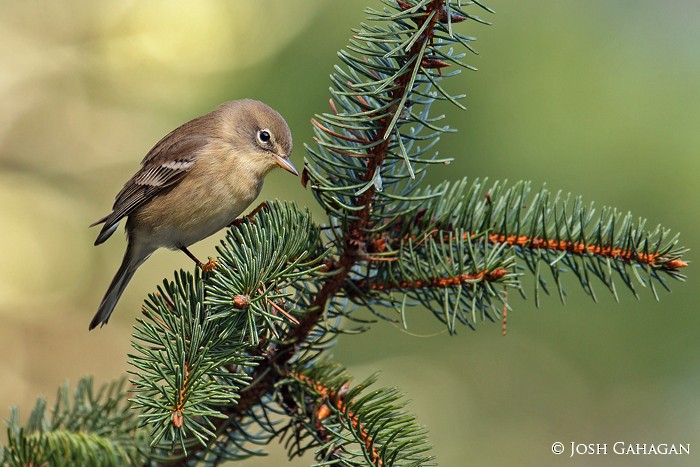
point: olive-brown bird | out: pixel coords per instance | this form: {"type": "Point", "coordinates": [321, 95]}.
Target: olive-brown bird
{"type": "Point", "coordinates": [194, 182]}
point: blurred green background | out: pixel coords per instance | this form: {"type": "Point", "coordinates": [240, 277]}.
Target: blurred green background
{"type": "Point", "coordinates": [598, 98]}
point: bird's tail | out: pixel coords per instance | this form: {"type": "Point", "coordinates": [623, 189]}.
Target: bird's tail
{"type": "Point", "coordinates": [132, 260]}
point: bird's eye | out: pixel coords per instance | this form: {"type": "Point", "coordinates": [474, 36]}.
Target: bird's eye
{"type": "Point", "coordinates": [264, 136]}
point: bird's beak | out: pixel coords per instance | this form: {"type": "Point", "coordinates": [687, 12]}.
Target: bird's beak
{"type": "Point", "coordinates": [286, 164]}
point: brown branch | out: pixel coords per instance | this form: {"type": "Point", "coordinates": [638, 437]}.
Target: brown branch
{"type": "Point", "coordinates": [433, 282]}
{"type": "Point", "coordinates": [177, 411]}
{"type": "Point", "coordinates": [582, 249]}
{"type": "Point", "coordinates": [538, 243]}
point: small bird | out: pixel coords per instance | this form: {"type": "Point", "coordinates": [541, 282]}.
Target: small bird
{"type": "Point", "coordinates": [195, 181]}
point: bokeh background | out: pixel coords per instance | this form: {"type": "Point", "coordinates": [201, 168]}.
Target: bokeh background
{"type": "Point", "coordinates": [596, 98]}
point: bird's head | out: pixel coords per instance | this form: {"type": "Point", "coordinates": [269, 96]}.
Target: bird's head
{"type": "Point", "coordinates": [258, 135]}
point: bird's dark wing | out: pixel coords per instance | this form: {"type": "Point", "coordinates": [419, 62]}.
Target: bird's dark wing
{"type": "Point", "coordinates": [163, 167]}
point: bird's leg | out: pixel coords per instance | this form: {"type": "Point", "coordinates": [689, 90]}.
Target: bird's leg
{"type": "Point", "coordinates": [239, 221]}
{"type": "Point", "coordinates": [206, 267]}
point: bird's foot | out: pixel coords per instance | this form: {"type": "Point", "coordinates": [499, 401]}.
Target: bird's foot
{"type": "Point", "coordinates": [209, 265]}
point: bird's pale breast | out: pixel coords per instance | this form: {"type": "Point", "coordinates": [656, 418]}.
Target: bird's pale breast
{"type": "Point", "coordinates": [215, 198]}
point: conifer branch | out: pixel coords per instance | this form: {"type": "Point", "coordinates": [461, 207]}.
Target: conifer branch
{"type": "Point", "coordinates": [545, 232]}
{"type": "Point", "coordinates": [218, 326]}
{"type": "Point", "coordinates": [90, 427]}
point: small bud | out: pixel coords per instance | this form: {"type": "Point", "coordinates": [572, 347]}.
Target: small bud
{"type": "Point", "coordinates": [178, 418]}
{"type": "Point", "coordinates": [454, 17]}
{"type": "Point", "coordinates": [241, 301]}
{"type": "Point", "coordinates": [496, 274]}
{"type": "Point", "coordinates": [344, 389]}
{"type": "Point", "coordinates": [378, 245]}
{"type": "Point", "coordinates": [676, 264]}
{"type": "Point", "coordinates": [322, 412]}
{"type": "Point", "coordinates": [433, 63]}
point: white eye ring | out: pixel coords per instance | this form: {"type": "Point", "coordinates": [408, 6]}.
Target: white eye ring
{"type": "Point", "coordinates": [264, 136]}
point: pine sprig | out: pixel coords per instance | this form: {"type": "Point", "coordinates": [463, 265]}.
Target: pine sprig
{"type": "Point", "coordinates": [239, 438]}
{"type": "Point", "coordinates": [89, 426]}
{"type": "Point", "coordinates": [547, 232]}
{"type": "Point", "coordinates": [458, 276]}
{"type": "Point", "coordinates": [380, 100]}
{"type": "Point", "coordinates": [182, 365]}
{"type": "Point", "coordinates": [263, 265]}
{"type": "Point", "coordinates": [349, 425]}
{"type": "Point", "coordinates": [199, 340]}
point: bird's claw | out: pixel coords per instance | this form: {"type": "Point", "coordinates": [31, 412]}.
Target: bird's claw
{"type": "Point", "coordinates": [209, 265]}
